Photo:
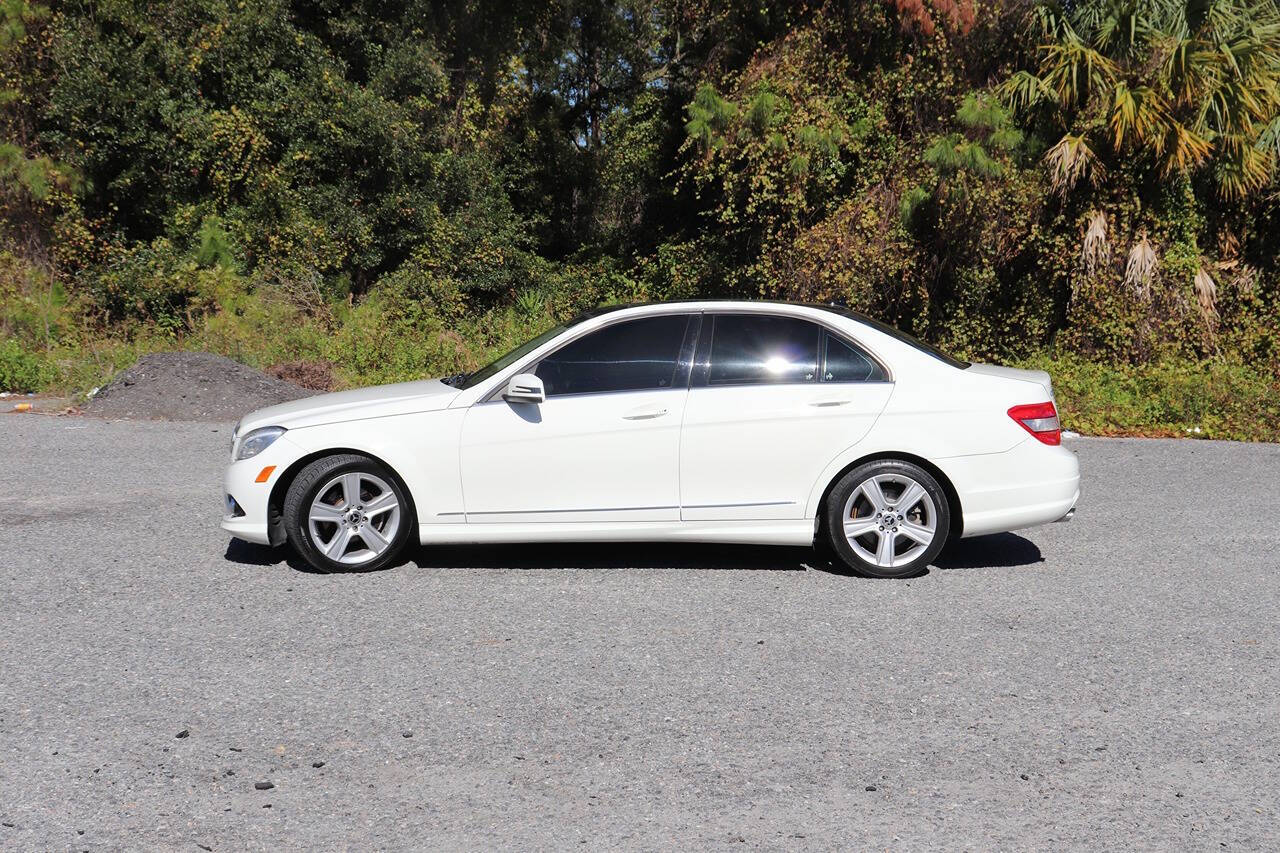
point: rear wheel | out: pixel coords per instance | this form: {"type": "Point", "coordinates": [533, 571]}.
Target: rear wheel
{"type": "Point", "coordinates": [347, 513]}
{"type": "Point", "coordinates": [887, 519]}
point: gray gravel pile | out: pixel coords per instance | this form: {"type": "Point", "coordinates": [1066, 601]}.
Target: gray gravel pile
{"type": "Point", "coordinates": [190, 386]}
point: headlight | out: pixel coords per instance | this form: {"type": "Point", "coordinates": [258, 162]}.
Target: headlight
{"type": "Point", "coordinates": [257, 441]}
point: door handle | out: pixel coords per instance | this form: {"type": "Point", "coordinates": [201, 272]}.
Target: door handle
{"type": "Point", "coordinates": [825, 403]}
{"type": "Point", "coordinates": [644, 414]}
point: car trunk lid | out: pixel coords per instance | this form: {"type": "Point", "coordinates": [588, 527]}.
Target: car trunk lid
{"type": "Point", "coordinates": [1039, 377]}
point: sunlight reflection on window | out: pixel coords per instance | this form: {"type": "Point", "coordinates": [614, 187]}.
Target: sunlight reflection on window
{"type": "Point", "coordinates": [777, 364]}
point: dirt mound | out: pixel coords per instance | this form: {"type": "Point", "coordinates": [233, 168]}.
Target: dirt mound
{"type": "Point", "coordinates": [316, 375]}
{"type": "Point", "coordinates": [189, 386]}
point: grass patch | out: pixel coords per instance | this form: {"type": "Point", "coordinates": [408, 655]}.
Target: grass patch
{"type": "Point", "coordinates": [1207, 399]}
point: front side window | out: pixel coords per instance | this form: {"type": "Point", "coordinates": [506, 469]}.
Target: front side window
{"type": "Point", "coordinates": [749, 349]}
{"type": "Point", "coordinates": [634, 355]}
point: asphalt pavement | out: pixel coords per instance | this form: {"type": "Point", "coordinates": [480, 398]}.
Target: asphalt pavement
{"type": "Point", "coordinates": [1111, 683]}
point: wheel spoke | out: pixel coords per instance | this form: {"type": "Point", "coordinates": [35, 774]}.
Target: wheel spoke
{"type": "Point", "coordinates": [918, 532]}
{"type": "Point", "coordinates": [871, 489]}
{"type": "Point", "coordinates": [351, 489]}
{"type": "Point", "coordinates": [373, 538]}
{"type": "Point", "coordinates": [884, 553]}
{"type": "Point", "coordinates": [855, 527]}
{"type": "Point", "coordinates": [911, 496]}
{"type": "Point", "coordinates": [321, 511]}
{"type": "Point", "coordinates": [338, 545]}
{"type": "Point", "coordinates": [380, 504]}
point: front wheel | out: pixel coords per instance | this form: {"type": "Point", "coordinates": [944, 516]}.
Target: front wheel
{"type": "Point", "coordinates": [347, 513]}
{"type": "Point", "coordinates": [887, 519]}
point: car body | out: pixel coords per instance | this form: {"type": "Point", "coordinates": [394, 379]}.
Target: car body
{"type": "Point", "coordinates": [695, 421]}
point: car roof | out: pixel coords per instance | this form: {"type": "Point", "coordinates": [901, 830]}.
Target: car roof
{"type": "Point", "coordinates": [830, 307]}
{"type": "Point", "coordinates": [714, 303]}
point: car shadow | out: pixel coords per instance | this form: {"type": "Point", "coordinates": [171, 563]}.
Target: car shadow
{"type": "Point", "coordinates": [1000, 550]}
{"type": "Point", "coordinates": [253, 554]}
{"type": "Point", "coordinates": [994, 551]}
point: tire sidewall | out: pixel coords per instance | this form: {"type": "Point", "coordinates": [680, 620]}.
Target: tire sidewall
{"type": "Point", "coordinates": [835, 521]}
{"type": "Point", "coordinates": [302, 492]}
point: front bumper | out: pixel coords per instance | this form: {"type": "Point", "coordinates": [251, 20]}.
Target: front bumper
{"type": "Point", "coordinates": [243, 489]}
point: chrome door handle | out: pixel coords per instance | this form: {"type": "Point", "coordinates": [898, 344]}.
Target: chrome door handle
{"type": "Point", "coordinates": [824, 403]}
{"type": "Point", "coordinates": [644, 415]}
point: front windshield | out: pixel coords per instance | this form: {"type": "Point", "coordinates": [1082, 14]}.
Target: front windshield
{"type": "Point", "coordinates": [507, 360]}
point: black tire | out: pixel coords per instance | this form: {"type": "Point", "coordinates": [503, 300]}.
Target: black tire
{"type": "Point", "coordinates": [303, 492]}
{"type": "Point", "coordinates": [915, 556]}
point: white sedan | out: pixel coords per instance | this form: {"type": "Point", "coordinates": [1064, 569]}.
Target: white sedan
{"type": "Point", "coordinates": [745, 422]}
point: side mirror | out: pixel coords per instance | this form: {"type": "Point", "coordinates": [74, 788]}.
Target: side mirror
{"type": "Point", "coordinates": [525, 388]}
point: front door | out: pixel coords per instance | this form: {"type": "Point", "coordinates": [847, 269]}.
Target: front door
{"type": "Point", "coordinates": [603, 446]}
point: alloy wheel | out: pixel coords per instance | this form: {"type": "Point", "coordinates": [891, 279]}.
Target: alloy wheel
{"type": "Point", "coordinates": [889, 520]}
{"type": "Point", "coordinates": [354, 518]}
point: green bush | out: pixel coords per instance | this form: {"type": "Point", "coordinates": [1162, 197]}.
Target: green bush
{"type": "Point", "coordinates": [21, 370]}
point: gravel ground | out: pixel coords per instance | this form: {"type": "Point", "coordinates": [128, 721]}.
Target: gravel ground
{"type": "Point", "coordinates": [190, 386]}
{"type": "Point", "coordinates": [1106, 684]}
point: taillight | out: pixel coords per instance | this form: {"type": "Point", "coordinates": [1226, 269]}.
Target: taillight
{"type": "Point", "coordinates": [1039, 419]}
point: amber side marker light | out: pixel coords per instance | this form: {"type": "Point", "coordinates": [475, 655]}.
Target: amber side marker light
{"type": "Point", "coordinates": [265, 474]}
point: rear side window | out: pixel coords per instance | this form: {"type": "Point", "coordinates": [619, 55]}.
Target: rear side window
{"type": "Point", "coordinates": [749, 349]}
{"type": "Point", "coordinates": [755, 349]}
{"type": "Point", "coordinates": [844, 362]}
{"type": "Point", "coordinates": [633, 355]}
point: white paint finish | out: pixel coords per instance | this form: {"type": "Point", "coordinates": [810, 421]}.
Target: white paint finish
{"type": "Point", "coordinates": [1037, 377]}
{"type": "Point", "coordinates": [621, 466]}
{"type": "Point", "coordinates": [581, 457]}
{"type": "Point", "coordinates": [358, 404]}
{"type": "Point", "coordinates": [752, 451]}
{"type": "Point", "coordinates": [240, 482]}
{"type": "Point", "coordinates": [421, 447]}
{"type": "Point", "coordinates": [1030, 484]}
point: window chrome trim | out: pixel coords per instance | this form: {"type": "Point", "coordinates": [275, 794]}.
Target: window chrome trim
{"type": "Point", "coordinates": [500, 399]}
{"type": "Point", "coordinates": [785, 309]}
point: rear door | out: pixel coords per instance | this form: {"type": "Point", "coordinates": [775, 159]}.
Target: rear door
{"type": "Point", "coordinates": [775, 399]}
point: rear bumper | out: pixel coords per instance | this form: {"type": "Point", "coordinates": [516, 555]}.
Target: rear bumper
{"type": "Point", "coordinates": [1031, 484]}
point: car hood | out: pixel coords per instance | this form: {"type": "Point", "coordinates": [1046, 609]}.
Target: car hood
{"type": "Point", "coordinates": [1039, 377]}
{"type": "Point", "coordinates": [425, 395]}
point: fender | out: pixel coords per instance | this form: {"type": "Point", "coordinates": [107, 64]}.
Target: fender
{"type": "Point", "coordinates": [900, 432]}
{"type": "Point", "coordinates": [422, 448]}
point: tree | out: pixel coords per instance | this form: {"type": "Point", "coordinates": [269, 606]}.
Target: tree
{"type": "Point", "coordinates": [1186, 84]}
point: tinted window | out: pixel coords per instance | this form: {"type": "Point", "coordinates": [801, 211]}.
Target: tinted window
{"type": "Point", "coordinates": [846, 363]}
{"type": "Point", "coordinates": [754, 348]}
{"type": "Point", "coordinates": [628, 356]}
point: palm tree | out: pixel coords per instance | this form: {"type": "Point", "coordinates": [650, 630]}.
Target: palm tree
{"type": "Point", "coordinates": [1188, 83]}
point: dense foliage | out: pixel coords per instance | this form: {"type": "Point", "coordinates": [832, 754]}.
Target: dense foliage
{"type": "Point", "coordinates": [403, 187]}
